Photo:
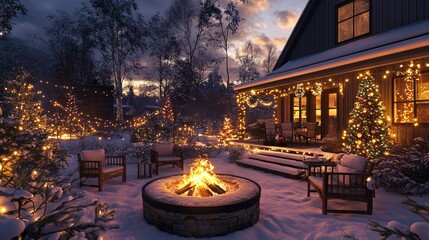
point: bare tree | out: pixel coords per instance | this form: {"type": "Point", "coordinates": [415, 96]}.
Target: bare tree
{"type": "Point", "coordinates": [164, 49]}
{"type": "Point", "coordinates": [116, 26]}
{"type": "Point", "coordinates": [228, 25]}
{"type": "Point", "coordinates": [192, 22]}
{"type": "Point", "coordinates": [270, 58]}
{"type": "Point", "coordinates": [248, 57]}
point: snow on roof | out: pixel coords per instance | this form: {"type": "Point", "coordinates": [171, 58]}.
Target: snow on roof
{"type": "Point", "coordinates": [394, 41]}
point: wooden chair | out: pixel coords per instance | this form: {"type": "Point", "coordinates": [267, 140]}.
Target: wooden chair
{"type": "Point", "coordinates": [270, 132]}
{"type": "Point", "coordinates": [310, 131]}
{"type": "Point", "coordinates": [162, 154]}
{"type": "Point", "coordinates": [94, 164]}
{"type": "Point", "coordinates": [287, 131]}
{"type": "Point", "coordinates": [345, 181]}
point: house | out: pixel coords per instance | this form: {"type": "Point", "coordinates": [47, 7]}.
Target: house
{"type": "Point", "coordinates": [315, 77]}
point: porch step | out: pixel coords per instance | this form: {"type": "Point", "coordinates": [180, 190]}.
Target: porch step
{"type": "Point", "coordinates": [286, 171]}
{"type": "Point", "coordinates": [289, 162]}
{"type": "Point", "coordinates": [284, 155]}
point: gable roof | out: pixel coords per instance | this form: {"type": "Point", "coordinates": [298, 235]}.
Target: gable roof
{"type": "Point", "coordinates": [406, 38]}
{"type": "Point", "coordinates": [296, 32]}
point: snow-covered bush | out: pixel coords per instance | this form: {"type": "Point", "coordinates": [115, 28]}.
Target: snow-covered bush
{"type": "Point", "coordinates": [406, 169]}
{"type": "Point", "coordinates": [416, 231]}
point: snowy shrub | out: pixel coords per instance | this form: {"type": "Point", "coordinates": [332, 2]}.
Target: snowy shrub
{"type": "Point", "coordinates": [235, 152]}
{"type": "Point", "coordinates": [406, 169]}
{"type": "Point", "coordinates": [416, 231]}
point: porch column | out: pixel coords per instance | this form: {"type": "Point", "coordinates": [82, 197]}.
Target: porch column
{"type": "Point", "coordinates": [241, 118]}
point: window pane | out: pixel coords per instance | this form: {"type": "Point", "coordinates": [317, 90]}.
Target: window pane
{"type": "Point", "coordinates": [303, 109]}
{"type": "Point", "coordinates": [361, 24]}
{"type": "Point", "coordinates": [361, 6]}
{"type": "Point", "coordinates": [296, 109]}
{"type": "Point", "coordinates": [423, 87]}
{"type": "Point", "coordinates": [404, 112]}
{"type": "Point", "coordinates": [345, 12]}
{"type": "Point", "coordinates": [332, 100]}
{"type": "Point", "coordinates": [423, 112]}
{"type": "Point", "coordinates": [404, 89]}
{"type": "Point", "coordinates": [345, 30]}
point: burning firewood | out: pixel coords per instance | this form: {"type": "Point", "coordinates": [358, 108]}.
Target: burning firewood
{"type": "Point", "coordinates": [204, 192]}
{"type": "Point", "coordinates": [184, 189]}
{"type": "Point", "coordinates": [214, 187]}
{"type": "Point", "coordinates": [191, 192]}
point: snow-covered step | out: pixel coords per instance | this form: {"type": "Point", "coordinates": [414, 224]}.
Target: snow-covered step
{"type": "Point", "coordinates": [277, 169]}
{"type": "Point", "coordinates": [299, 157]}
{"type": "Point", "coordinates": [279, 160]}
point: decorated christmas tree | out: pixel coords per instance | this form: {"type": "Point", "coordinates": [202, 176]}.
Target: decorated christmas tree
{"type": "Point", "coordinates": [167, 111]}
{"type": "Point", "coordinates": [68, 121]}
{"type": "Point", "coordinates": [226, 132]}
{"type": "Point", "coordinates": [367, 133]}
{"type": "Point", "coordinates": [34, 197]}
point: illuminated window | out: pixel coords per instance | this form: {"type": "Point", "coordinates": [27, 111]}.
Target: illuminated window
{"type": "Point", "coordinates": [411, 99]}
{"type": "Point", "coordinates": [353, 19]}
{"type": "Point", "coordinates": [300, 109]}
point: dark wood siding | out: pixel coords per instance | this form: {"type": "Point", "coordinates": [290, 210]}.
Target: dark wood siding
{"type": "Point", "coordinates": [319, 31]}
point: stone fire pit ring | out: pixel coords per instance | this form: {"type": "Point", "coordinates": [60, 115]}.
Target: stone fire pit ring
{"type": "Point", "coordinates": [201, 216]}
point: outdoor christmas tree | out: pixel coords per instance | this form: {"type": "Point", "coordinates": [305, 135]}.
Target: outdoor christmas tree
{"type": "Point", "coordinates": [34, 197]}
{"type": "Point", "coordinates": [167, 111]}
{"type": "Point", "coordinates": [367, 133]}
{"type": "Point", "coordinates": [68, 120]}
{"type": "Point", "coordinates": [226, 132]}
{"type": "Point", "coordinates": [20, 94]}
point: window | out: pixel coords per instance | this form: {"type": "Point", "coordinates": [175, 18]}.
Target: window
{"type": "Point", "coordinates": [411, 99]}
{"type": "Point", "coordinates": [353, 19]}
{"type": "Point", "coordinates": [300, 109]}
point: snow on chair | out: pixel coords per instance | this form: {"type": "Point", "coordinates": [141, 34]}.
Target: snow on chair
{"type": "Point", "coordinates": [95, 164]}
{"type": "Point", "coordinates": [346, 181]}
{"type": "Point", "coordinates": [162, 154]}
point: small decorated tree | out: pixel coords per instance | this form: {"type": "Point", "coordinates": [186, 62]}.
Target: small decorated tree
{"type": "Point", "coordinates": [226, 132]}
{"type": "Point", "coordinates": [167, 111]}
{"type": "Point", "coordinates": [367, 133]}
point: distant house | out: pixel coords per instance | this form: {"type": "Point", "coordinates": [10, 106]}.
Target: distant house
{"type": "Point", "coordinates": [333, 42]}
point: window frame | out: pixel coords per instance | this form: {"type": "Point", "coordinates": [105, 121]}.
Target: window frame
{"type": "Point", "coordinates": [415, 100]}
{"type": "Point", "coordinates": [337, 22]}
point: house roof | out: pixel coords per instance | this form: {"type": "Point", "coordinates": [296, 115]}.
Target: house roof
{"type": "Point", "coordinates": [406, 38]}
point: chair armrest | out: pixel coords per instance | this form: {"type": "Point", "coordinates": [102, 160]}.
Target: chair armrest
{"type": "Point", "coordinates": [318, 168]}
{"type": "Point", "coordinates": [116, 160]}
{"type": "Point", "coordinates": [153, 156]}
{"type": "Point", "coordinates": [89, 167]}
{"type": "Point", "coordinates": [345, 183]}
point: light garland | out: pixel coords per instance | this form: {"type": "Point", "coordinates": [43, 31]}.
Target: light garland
{"type": "Point", "coordinates": [410, 75]}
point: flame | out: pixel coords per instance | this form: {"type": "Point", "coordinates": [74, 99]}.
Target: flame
{"type": "Point", "coordinates": [201, 175]}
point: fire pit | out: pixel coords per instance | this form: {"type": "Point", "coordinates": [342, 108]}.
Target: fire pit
{"type": "Point", "coordinates": [201, 204]}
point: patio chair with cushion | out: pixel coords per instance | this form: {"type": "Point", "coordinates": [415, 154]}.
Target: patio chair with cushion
{"type": "Point", "coordinates": [162, 154]}
{"type": "Point", "coordinates": [287, 131]}
{"type": "Point", "coordinates": [346, 181]}
{"type": "Point", "coordinates": [270, 132]}
{"type": "Point", "coordinates": [95, 164]}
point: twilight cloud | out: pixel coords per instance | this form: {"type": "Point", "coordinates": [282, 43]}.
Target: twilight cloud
{"type": "Point", "coordinates": [286, 19]}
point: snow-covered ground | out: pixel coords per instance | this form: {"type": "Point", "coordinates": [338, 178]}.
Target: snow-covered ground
{"type": "Point", "coordinates": [285, 211]}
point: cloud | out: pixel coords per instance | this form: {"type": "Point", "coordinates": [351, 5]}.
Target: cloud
{"type": "Point", "coordinates": [286, 19]}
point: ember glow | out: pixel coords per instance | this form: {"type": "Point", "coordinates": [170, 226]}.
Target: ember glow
{"type": "Point", "coordinates": [201, 181]}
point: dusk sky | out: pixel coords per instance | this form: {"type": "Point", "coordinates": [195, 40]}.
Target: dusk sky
{"type": "Point", "coordinates": [265, 20]}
